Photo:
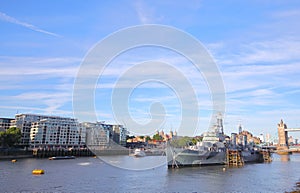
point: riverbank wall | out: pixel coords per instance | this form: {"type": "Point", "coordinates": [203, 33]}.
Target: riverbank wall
{"type": "Point", "coordinates": [46, 153]}
{"type": "Point", "coordinates": [15, 154]}
{"type": "Point", "coordinates": [43, 153]}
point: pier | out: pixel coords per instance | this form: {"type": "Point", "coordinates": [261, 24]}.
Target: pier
{"type": "Point", "coordinates": [266, 156]}
{"type": "Point", "coordinates": [234, 158]}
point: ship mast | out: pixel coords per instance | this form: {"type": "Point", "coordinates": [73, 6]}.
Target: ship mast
{"type": "Point", "coordinates": [218, 126]}
{"type": "Point", "coordinates": [220, 123]}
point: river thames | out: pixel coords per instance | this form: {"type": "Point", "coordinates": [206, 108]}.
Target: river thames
{"type": "Point", "coordinates": [88, 174]}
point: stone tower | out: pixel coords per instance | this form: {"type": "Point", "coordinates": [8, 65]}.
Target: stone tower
{"type": "Point", "coordinates": [282, 136]}
{"type": "Point", "coordinates": [240, 129]}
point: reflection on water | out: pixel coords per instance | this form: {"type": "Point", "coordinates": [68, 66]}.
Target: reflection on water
{"type": "Point", "coordinates": [95, 175]}
{"type": "Point", "coordinates": [285, 158]}
{"type": "Point", "coordinates": [84, 163]}
{"type": "Point", "coordinates": [135, 163]}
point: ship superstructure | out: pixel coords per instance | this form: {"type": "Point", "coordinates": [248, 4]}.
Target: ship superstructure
{"type": "Point", "coordinates": [210, 151]}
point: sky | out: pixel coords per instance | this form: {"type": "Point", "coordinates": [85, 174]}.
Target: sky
{"type": "Point", "coordinates": [255, 44]}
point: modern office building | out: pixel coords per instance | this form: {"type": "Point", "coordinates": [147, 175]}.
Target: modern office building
{"type": "Point", "coordinates": [57, 132]}
{"type": "Point", "coordinates": [123, 136]}
{"type": "Point", "coordinates": [96, 135]}
{"type": "Point", "coordinates": [118, 134]}
{"type": "Point", "coordinates": [23, 122]}
{"type": "Point", "coordinates": [45, 130]}
{"type": "Point", "coordinates": [100, 135]}
{"type": "Point", "coordinates": [6, 123]}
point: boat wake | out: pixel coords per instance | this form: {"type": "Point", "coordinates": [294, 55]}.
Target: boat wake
{"type": "Point", "coordinates": [84, 164]}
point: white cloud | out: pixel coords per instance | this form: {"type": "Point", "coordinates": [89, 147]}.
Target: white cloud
{"type": "Point", "coordinates": [34, 109]}
{"type": "Point", "coordinates": [39, 84]}
{"type": "Point", "coordinates": [286, 13]}
{"type": "Point", "coordinates": [152, 99]}
{"type": "Point", "coordinates": [261, 80]}
{"type": "Point", "coordinates": [268, 64]}
{"type": "Point", "coordinates": [52, 100]}
{"type": "Point", "coordinates": [44, 67]}
{"type": "Point", "coordinates": [10, 19]}
{"type": "Point", "coordinates": [258, 52]}
{"type": "Point", "coordinates": [143, 17]}
{"type": "Point", "coordinates": [146, 14]}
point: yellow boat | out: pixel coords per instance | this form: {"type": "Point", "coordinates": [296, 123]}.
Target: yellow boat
{"type": "Point", "coordinates": [38, 171]}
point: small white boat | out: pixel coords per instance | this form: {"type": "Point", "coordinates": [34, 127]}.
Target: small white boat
{"type": "Point", "coordinates": [139, 153]}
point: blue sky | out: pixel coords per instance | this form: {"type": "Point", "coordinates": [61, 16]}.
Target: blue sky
{"type": "Point", "coordinates": [256, 45]}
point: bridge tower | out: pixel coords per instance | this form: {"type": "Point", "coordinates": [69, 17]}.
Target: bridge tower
{"type": "Point", "coordinates": [282, 136]}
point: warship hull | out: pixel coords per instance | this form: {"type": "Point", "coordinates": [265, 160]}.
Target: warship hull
{"type": "Point", "coordinates": [252, 157]}
{"type": "Point", "coordinates": [212, 150]}
{"type": "Point", "coordinates": [177, 157]}
{"type": "Point", "coordinates": [185, 157]}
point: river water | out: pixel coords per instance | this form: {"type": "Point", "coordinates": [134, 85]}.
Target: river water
{"type": "Point", "coordinates": [89, 174]}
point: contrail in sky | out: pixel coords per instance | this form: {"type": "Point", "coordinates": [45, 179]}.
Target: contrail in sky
{"type": "Point", "coordinates": [7, 18]}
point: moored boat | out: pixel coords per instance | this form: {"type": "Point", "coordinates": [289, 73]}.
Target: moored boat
{"type": "Point", "coordinates": [139, 153]}
{"type": "Point", "coordinates": [212, 150]}
{"type": "Point", "coordinates": [61, 157]}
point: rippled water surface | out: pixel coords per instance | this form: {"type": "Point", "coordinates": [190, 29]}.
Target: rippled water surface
{"type": "Point", "coordinates": [94, 175]}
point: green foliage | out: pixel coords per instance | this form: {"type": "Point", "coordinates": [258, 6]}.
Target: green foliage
{"type": "Point", "coordinates": [10, 137]}
{"type": "Point", "coordinates": [148, 138]}
{"type": "Point", "coordinates": [184, 141]}
{"type": "Point", "coordinates": [196, 139]}
{"type": "Point", "coordinates": [157, 137]}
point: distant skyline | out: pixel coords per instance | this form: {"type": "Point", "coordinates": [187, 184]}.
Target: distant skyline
{"type": "Point", "coordinates": [256, 45]}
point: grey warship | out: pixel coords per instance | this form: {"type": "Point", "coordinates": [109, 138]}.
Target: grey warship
{"type": "Point", "coordinates": [210, 151]}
